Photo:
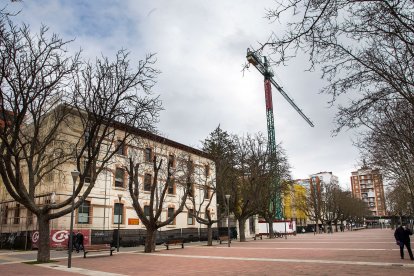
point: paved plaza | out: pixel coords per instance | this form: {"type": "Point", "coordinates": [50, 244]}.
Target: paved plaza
{"type": "Point", "coordinates": [363, 252]}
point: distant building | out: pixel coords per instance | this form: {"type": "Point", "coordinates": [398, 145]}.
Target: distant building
{"type": "Point", "coordinates": [305, 183]}
{"type": "Point", "coordinates": [327, 178]}
{"type": "Point", "coordinates": [366, 184]}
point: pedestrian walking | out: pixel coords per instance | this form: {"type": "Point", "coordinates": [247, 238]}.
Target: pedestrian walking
{"type": "Point", "coordinates": [402, 236]}
{"type": "Point", "coordinates": [79, 242]}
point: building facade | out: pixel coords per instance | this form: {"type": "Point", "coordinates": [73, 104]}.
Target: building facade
{"type": "Point", "coordinates": [294, 202]}
{"type": "Point", "coordinates": [367, 184]}
{"type": "Point", "coordinates": [327, 178]}
{"type": "Point", "coordinates": [109, 204]}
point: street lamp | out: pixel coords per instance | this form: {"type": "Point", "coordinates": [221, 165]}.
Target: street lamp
{"type": "Point", "coordinates": [218, 215]}
{"type": "Point", "coordinates": [119, 221]}
{"type": "Point", "coordinates": [228, 219]}
{"type": "Point", "coordinates": [75, 175]}
{"type": "Point", "coordinates": [284, 221]}
{"type": "Point", "coordinates": [330, 230]}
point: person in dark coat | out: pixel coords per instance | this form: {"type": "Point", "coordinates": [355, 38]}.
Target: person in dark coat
{"type": "Point", "coordinates": [79, 242]}
{"type": "Point", "coordinates": [402, 236]}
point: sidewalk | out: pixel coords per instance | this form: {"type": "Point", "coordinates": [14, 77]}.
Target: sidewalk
{"type": "Point", "coordinates": [371, 251]}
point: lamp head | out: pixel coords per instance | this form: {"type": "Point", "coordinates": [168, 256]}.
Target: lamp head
{"type": "Point", "coordinates": [75, 174]}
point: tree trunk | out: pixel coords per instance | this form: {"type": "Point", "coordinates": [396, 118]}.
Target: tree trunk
{"type": "Point", "coordinates": [271, 231]}
{"type": "Point", "coordinates": [150, 240]}
{"type": "Point", "coordinates": [242, 223]}
{"type": "Point", "coordinates": [43, 252]}
{"type": "Point", "coordinates": [209, 235]}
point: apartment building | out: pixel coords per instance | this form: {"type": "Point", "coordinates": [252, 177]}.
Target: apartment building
{"type": "Point", "coordinates": [366, 184]}
{"type": "Point", "coordinates": [294, 202]}
{"type": "Point", "coordinates": [327, 178]}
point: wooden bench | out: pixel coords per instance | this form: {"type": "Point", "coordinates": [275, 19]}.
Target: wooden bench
{"type": "Point", "coordinates": [260, 235]}
{"type": "Point", "coordinates": [174, 242]}
{"type": "Point", "coordinates": [224, 238]}
{"type": "Point", "coordinates": [357, 228]}
{"type": "Point", "coordinates": [97, 248]}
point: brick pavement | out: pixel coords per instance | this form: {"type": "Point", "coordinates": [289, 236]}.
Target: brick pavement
{"type": "Point", "coordinates": [372, 252]}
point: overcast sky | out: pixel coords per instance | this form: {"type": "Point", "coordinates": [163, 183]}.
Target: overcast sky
{"type": "Point", "coordinates": [201, 48]}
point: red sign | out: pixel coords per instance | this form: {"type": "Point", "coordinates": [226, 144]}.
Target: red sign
{"type": "Point", "coordinates": [59, 238]}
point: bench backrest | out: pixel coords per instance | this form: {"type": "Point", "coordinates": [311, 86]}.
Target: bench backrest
{"type": "Point", "coordinates": [98, 246]}
{"type": "Point", "coordinates": [174, 241]}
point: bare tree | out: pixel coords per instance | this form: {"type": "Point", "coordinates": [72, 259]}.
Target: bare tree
{"type": "Point", "coordinates": [366, 47]}
{"type": "Point", "coordinates": [246, 171]}
{"type": "Point", "coordinates": [253, 171]}
{"type": "Point", "coordinates": [389, 143]}
{"type": "Point", "coordinates": [165, 175]}
{"type": "Point", "coordinates": [275, 176]}
{"type": "Point", "coordinates": [201, 204]}
{"type": "Point", "coordinates": [399, 201]}
{"type": "Point", "coordinates": [60, 110]}
{"type": "Point", "coordinates": [331, 205]}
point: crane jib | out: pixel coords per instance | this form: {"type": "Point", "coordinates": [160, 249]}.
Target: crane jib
{"type": "Point", "coordinates": [264, 69]}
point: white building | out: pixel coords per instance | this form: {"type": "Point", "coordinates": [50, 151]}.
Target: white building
{"type": "Point", "coordinates": [109, 204]}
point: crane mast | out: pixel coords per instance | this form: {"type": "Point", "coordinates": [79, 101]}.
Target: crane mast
{"type": "Point", "coordinates": [264, 68]}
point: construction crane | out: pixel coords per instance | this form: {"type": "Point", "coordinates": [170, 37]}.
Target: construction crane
{"type": "Point", "coordinates": [264, 69]}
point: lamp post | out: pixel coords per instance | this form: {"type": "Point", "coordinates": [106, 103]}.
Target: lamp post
{"type": "Point", "coordinates": [218, 215]}
{"type": "Point", "coordinates": [330, 230]}
{"type": "Point", "coordinates": [228, 219]}
{"type": "Point", "coordinates": [75, 175]}
{"type": "Point", "coordinates": [284, 221]}
{"type": "Point", "coordinates": [119, 222]}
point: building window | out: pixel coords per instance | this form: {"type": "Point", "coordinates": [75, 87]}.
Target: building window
{"type": "Point", "coordinates": [190, 217]}
{"type": "Point", "coordinates": [171, 160]}
{"type": "Point", "coordinates": [206, 192]}
{"type": "Point", "coordinates": [50, 173]}
{"type": "Point", "coordinates": [120, 147]}
{"type": "Point", "coordinates": [147, 182]}
{"type": "Point", "coordinates": [207, 170]}
{"type": "Point", "coordinates": [118, 213]}
{"type": "Point", "coordinates": [83, 212]}
{"type": "Point", "coordinates": [29, 217]}
{"type": "Point", "coordinates": [119, 177]}
{"type": "Point", "coordinates": [191, 190]}
{"type": "Point", "coordinates": [147, 211]}
{"type": "Point", "coordinates": [16, 219]}
{"type": "Point", "coordinates": [87, 173]}
{"type": "Point", "coordinates": [190, 167]}
{"type": "Point", "coordinates": [171, 187]}
{"type": "Point", "coordinates": [170, 214]}
{"type": "Point", "coordinates": [5, 214]}
{"type": "Point", "coordinates": [148, 155]}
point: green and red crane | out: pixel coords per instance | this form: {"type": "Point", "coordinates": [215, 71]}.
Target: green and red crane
{"type": "Point", "coordinates": [262, 65]}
